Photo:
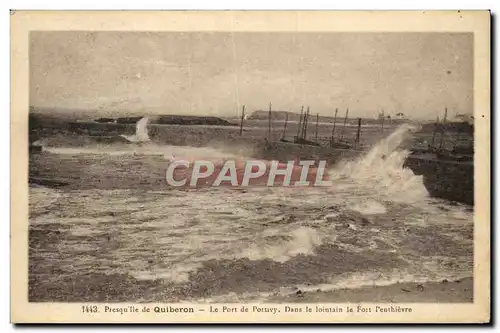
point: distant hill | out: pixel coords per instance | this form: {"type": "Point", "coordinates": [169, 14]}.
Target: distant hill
{"type": "Point", "coordinates": [275, 115]}
{"type": "Point", "coordinates": [292, 116]}
{"type": "Point", "coordinates": [172, 120]}
{"type": "Point", "coordinates": [190, 120]}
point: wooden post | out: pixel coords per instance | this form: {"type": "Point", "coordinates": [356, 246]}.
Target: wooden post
{"type": "Point", "coordinates": [299, 128]}
{"type": "Point", "coordinates": [443, 128]}
{"type": "Point", "coordinates": [358, 133]}
{"type": "Point", "coordinates": [302, 130]}
{"type": "Point", "coordinates": [269, 129]}
{"type": "Point", "coordinates": [345, 122]}
{"type": "Point", "coordinates": [284, 127]}
{"type": "Point", "coordinates": [317, 124]}
{"type": "Point", "coordinates": [332, 140]}
{"type": "Point", "coordinates": [383, 119]}
{"type": "Point", "coordinates": [304, 134]}
{"type": "Point", "coordinates": [242, 118]}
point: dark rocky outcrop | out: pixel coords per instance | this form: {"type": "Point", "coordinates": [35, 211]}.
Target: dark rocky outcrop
{"type": "Point", "coordinates": [453, 127]}
{"type": "Point", "coordinates": [444, 178]}
{"type": "Point", "coordinates": [191, 120]}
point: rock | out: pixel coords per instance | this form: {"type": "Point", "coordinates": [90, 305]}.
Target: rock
{"type": "Point", "coordinates": [365, 221]}
{"type": "Point", "coordinates": [405, 290]}
{"type": "Point", "coordinates": [332, 217]}
{"type": "Point", "coordinates": [333, 208]}
{"type": "Point", "coordinates": [351, 226]}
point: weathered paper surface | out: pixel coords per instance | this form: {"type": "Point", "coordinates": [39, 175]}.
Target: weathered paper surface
{"type": "Point", "coordinates": [98, 237]}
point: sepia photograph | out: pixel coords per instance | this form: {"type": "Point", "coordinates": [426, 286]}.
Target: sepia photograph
{"type": "Point", "coordinates": [285, 171]}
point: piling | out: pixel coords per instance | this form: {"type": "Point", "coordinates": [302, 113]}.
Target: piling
{"type": "Point", "coordinates": [358, 133]}
{"type": "Point", "coordinates": [332, 139]}
{"type": "Point", "coordinates": [284, 127]}
{"type": "Point", "coordinates": [382, 120]}
{"type": "Point", "coordinates": [242, 118]}
{"type": "Point", "coordinates": [269, 129]}
{"type": "Point", "coordinates": [345, 123]}
{"type": "Point", "coordinates": [306, 121]}
{"type": "Point", "coordinates": [317, 124]}
{"type": "Point", "coordinates": [299, 128]}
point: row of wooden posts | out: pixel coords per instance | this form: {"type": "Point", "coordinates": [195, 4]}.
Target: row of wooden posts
{"type": "Point", "coordinates": [303, 124]}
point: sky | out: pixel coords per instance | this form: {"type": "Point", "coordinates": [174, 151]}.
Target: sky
{"type": "Point", "coordinates": [203, 73]}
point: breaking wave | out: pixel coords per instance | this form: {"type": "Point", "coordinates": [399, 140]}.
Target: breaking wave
{"type": "Point", "coordinates": [141, 131]}
{"type": "Point", "coordinates": [280, 248]}
{"type": "Point", "coordinates": [381, 170]}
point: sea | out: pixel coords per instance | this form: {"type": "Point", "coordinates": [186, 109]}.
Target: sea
{"type": "Point", "coordinates": [376, 225]}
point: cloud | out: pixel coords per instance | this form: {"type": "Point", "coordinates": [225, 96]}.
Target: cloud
{"type": "Point", "coordinates": [417, 74]}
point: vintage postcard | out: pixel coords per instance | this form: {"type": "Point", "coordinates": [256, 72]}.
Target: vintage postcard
{"type": "Point", "coordinates": [250, 167]}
